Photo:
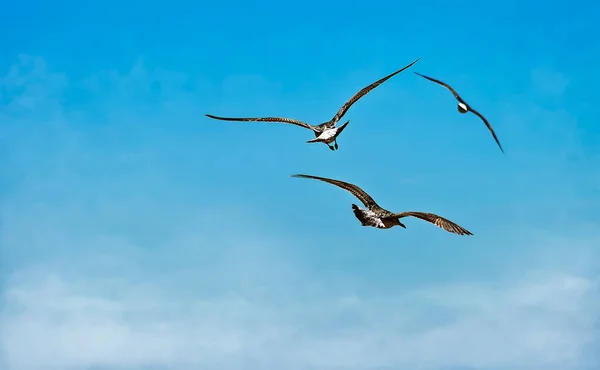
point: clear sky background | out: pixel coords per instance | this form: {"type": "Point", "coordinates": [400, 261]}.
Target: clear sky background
{"type": "Point", "coordinates": [138, 234]}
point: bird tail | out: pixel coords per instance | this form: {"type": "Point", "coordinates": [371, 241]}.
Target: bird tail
{"type": "Point", "coordinates": [342, 127]}
{"type": "Point", "coordinates": [359, 215]}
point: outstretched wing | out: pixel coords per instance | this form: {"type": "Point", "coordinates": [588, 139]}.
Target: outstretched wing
{"type": "Point", "coordinates": [437, 221]}
{"type": "Point", "coordinates": [441, 83]}
{"type": "Point", "coordinates": [355, 190]}
{"type": "Point", "coordinates": [488, 126]}
{"type": "Point", "coordinates": [364, 92]}
{"type": "Point", "coordinates": [265, 119]}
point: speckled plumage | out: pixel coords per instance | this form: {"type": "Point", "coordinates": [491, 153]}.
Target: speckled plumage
{"type": "Point", "coordinates": [464, 107]}
{"type": "Point", "coordinates": [318, 130]}
{"type": "Point", "coordinates": [375, 216]}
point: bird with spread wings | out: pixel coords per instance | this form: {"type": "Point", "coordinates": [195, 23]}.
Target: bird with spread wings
{"type": "Point", "coordinates": [326, 132]}
{"type": "Point", "coordinates": [376, 216]}
{"type": "Point", "coordinates": [463, 107]}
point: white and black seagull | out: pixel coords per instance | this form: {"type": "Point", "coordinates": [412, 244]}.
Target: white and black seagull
{"type": "Point", "coordinates": [326, 132]}
{"type": "Point", "coordinates": [375, 216]}
{"type": "Point", "coordinates": [463, 107]}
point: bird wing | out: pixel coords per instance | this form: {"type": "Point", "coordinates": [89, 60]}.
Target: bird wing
{"type": "Point", "coordinates": [355, 190]}
{"type": "Point", "coordinates": [443, 84]}
{"type": "Point", "coordinates": [436, 220]}
{"type": "Point", "coordinates": [364, 92]}
{"type": "Point", "coordinates": [488, 126]}
{"type": "Point", "coordinates": [265, 119]}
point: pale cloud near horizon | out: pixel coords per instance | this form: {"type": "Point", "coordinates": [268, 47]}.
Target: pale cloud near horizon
{"type": "Point", "coordinates": [86, 296]}
{"type": "Point", "coordinates": [535, 320]}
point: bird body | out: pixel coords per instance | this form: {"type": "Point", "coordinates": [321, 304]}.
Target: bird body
{"type": "Point", "coordinates": [378, 217]}
{"type": "Point", "coordinates": [375, 219]}
{"type": "Point", "coordinates": [330, 136]}
{"type": "Point", "coordinates": [463, 107]}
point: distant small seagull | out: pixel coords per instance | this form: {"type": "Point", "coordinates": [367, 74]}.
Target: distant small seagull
{"type": "Point", "coordinates": [326, 132]}
{"type": "Point", "coordinates": [463, 107]}
{"type": "Point", "coordinates": [375, 216]}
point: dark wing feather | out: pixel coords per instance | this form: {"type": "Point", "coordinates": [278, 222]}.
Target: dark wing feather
{"type": "Point", "coordinates": [437, 221]}
{"type": "Point", "coordinates": [488, 126]}
{"type": "Point", "coordinates": [443, 84]}
{"type": "Point", "coordinates": [265, 119]}
{"type": "Point", "coordinates": [364, 92]}
{"type": "Point", "coordinates": [355, 190]}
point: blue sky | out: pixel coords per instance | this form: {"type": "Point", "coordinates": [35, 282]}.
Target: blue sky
{"type": "Point", "coordinates": [138, 234]}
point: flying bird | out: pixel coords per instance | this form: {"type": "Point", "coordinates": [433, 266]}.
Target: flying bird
{"type": "Point", "coordinates": [375, 216]}
{"type": "Point", "coordinates": [326, 132]}
{"type": "Point", "coordinates": [463, 107]}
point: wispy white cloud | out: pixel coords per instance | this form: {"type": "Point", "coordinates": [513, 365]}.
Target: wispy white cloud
{"type": "Point", "coordinates": [56, 320]}
{"type": "Point", "coordinates": [29, 86]}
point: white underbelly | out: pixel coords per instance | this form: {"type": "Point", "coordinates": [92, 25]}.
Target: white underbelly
{"type": "Point", "coordinates": [328, 136]}
{"type": "Point", "coordinates": [373, 220]}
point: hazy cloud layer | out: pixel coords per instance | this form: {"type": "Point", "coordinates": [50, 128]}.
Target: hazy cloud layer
{"type": "Point", "coordinates": [54, 320]}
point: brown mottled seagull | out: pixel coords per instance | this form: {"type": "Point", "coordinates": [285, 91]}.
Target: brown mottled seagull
{"type": "Point", "coordinates": [375, 216]}
{"type": "Point", "coordinates": [463, 107]}
{"type": "Point", "coordinates": [326, 132]}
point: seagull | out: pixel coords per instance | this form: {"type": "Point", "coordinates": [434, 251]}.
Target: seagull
{"type": "Point", "coordinates": [375, 216]}
{"type": "Point", "coordinates": [463, 107]}
{"type": "Point", "coordinates": [326, 132]}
